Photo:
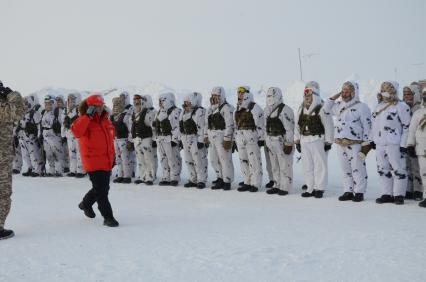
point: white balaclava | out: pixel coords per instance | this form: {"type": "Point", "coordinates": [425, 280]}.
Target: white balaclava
{"type": "Point", "coordinates": [274, 97]}
{"type": "Point", "coordinates": [167, 100]}
{"type": "Point", "coordinates": [218, 91]}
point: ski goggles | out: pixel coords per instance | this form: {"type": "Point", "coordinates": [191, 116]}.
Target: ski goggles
{"type": "Point", "coordinates": [242, 90]}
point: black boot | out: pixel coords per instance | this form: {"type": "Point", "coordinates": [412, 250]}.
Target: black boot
{"type": "Point", "coordinates": [201, 185]}
{"type": "Point", "coordinates": [243, 188]}
{"type": "Point", "coordinates": [118, 180]}
{"type": "Point", "coordinates": [398, 200]}
{"type": "Point", "coordinates": [418, 196]}
{"type": "Point", "coordinates": [33, 174]}
{"type": "Point", "coordinates": [409, 196]}
{"type": "Point", "coordinates": [241, 183]}
{"type": "Point", "coordinates": [6, 234]}
{"type": "Point", "coordinates": [318, 194]}
{"type": "Point", "coordinates": [28, 173]}
{"type": "Point", "coordinates": [149, 183]}
{"type": "Point", "coordinates": [126, 180]}
{"type": "Point", "coordinates": [272, 191]}
{"type": "Point", "coordinates": [190, 184]}
{"type": "Point", "coordinates": [138, 181]}
{"type": "Point", "coordinates": [270, 184]}
{"type": "Point", "coordinates": [15, 171]}
{"type": "Point", "coordinates": [174, 183]}
{"type": "Point", "coordinates": [304, 187]}
{"type": "Point", "coordinates": [282, 192]}
{"type": "Point", "coordinates": [226, 186]}
{"type": "Point", "coordinates": [66, 170]}
{"type": "Point", "coordinates": [71, 174]}
{"type": "Point", "coordinates": [307, 194]}
{"type": "Point", "coordinates": [385, 199]}
{"type": "Point", "coordinates": [218, 185]}
{"type": "Point", "coordinates": [215, 181]}
{"type": "Point", "coordinates": [347, 196]}
{"type": "Point", "coordinates": [359, 197]}
{"type": "Point", "coordinates": [88, 211]}
{"type": "Point", "coordinates": [253, 189]}
{"type": "Point", "coordinates": [164, 183]}
{"type": "Point", "coordinates": [422, 204]}
{"type": "Point", "coordinates": [110, 222]}
{"type": "Point", "coordinates": [80, 175]}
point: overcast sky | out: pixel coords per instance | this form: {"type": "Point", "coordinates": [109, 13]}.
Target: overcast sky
{"type": "Point", "coordinates": [196, 44]}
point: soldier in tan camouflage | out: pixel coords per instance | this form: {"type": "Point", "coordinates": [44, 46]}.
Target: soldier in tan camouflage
{"type": "Point", "coordinates": [11, 111]}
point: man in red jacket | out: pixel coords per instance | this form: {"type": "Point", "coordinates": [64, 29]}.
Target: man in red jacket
{"type": "Point", "coordinates": [95, 135]}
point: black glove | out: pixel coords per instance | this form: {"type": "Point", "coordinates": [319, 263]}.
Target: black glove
{"type": "Point", "coordinates": [64, 140]}
{"type": "Point", "coordinates": [200, 145]}
{"type": "Point", "coordinates": [261, 143]}
{"type": "Point", "coordinates": [40, 140]}
{"type": "Point", "coordinates": [234, 147]}
{"type": "Point", "coordinates": [16, 140]}
{"type": "Point", "coordinates": [154, 144]}
{"type": "Point", "coordinates": [411, 151]}
{"type": "Point", "coordinates": [91, 110]}
{"type": "Point", "coordinates": [327, 147]}
{"type": "Point", "coordinates": [174, 144]}
{"type": "Point", "coordinates": [373, 145]}
{"type": "Point", "coordinates": [180, 145]}
{"type": "Point", "coordinates": [403, 150]}
{"type": "Point", "coordinates": [298, 148]}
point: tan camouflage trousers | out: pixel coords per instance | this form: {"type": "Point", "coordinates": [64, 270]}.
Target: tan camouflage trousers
{"type": "Point", "coordinates": [6, 161]}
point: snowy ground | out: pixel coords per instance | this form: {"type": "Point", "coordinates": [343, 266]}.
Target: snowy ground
{"type": "Point", "coordinates": [178, 234]}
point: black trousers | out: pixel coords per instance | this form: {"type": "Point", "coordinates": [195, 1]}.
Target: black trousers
{"type": "Point", "coordinates": [99, 192]}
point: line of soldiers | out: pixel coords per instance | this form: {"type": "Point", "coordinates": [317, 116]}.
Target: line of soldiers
{"type": "Point", "coordinates": [395, 129]}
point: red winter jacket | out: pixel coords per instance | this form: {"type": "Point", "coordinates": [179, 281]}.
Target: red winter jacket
{"type": "Point", "coordinates": [96, 139]}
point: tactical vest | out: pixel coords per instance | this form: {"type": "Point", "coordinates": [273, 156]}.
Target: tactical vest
{"type": "Point", "coordinates": [189, 127]}
{"type": "Point", "coordinates": [121, 130]}
{"type": "Point", "coordinates": [139, 129]}
{"type": "Point", "coordinates": [216, 121]}
{"type": "Point", "coordinates": [164, 127]}
{"type": "Point", "coordinates": [30, 126]}
{"type": "Point", "coordinates": [274, 125]}
{"type": "Point", "coordinates": [244, 118]}
{"type": "Point", "coordinates": [311, 124]}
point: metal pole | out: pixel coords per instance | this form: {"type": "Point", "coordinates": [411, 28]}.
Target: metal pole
{"type": "Point", "coordinates": [300, 65]}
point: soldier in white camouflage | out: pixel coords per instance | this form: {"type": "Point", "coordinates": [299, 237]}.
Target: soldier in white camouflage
{"type": "Point", "coordinates": [11, 111]}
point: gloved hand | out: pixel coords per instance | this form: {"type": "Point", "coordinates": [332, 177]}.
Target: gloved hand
{"type": "Point", "coordinates": [298, 148]}
{"type": "Point", "coordinates": [130, 146]}
{"type": "Point", "coordinates": [287, 149]}
{"type": "Point", "coordinates": [174, 144]}
{"type": "Point", "coordinates": [154, 144]}
{"type": "Point", "coordinates": [200, 145]}
{"type": "Point", "coordinates": [411, 151]}
{"type": "Point", "coordinates": [362, 154]}
{"type": "Point", "coordinates": [373, 145]}
{"type": "Point", "coordinates": [261, 143]}
{"type": "Point", "coordinates": [403, 150]}
{"type": "Point", "coordinates": [91, 110]}
{"type": "Point", "coordinates": [64, 140]}
{"type": "Point", "coordinates": [180, 144]}
{"type": "Point", "coordinates": [206, 141]}
{"type": "Point", "coordinates": [227, 144]}
{"type": "Point", "coordinates": [234, 147]}
{"type": "Point", "coordinates": [327, 147]}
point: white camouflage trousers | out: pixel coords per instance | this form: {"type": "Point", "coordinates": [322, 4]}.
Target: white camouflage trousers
{"type": "Point", "coordinates": [17, 160]}
{"type": "Point", "coordinates": [314, 162]}
{"type": "Point", "coordinates": [31, 155]}
{"type": "Point", "coordinates": [220, 159]}
{"type": "Point", "coordinates": [250, 161]}
{"type": "Point", "coordinates": [195, 159]}
{"type": "Point", "coordinates": [353, 168]}
{"type": "Point", "coordinates": [413, 172]}
{"type": "Point", "coordinates": [122, 158]}
{"type": "Point", "coordinates": [53, 148]}
{"type": "Point", "coordinates": [391, 167]}
{"type": "Point", "coordinates": [281, 164]}
{"type": "Point", "coordinates": [170, 160]}
{"type": "Point", "coordinates": [146, 157]}
{"type": "Point", "coordinates": [74, 155]}
{"type": "Point", "coordinates": [422, 166]}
